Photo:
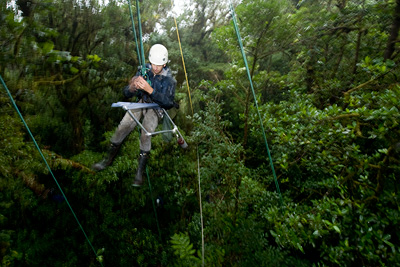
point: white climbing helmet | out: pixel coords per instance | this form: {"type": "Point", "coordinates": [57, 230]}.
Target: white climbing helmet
{"type": "Point", "coordinates": [158, 54]}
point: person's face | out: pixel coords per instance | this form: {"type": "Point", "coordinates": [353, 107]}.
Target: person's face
{"type": "Point", "coordinates": [157, 68]}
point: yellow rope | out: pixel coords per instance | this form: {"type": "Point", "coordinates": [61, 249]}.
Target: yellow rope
{"type": "Point", "coordinates": [198, 158]}
{"type": "Point", "coordinates": [183, 60]}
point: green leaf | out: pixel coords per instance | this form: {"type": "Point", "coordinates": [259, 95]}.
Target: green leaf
{"type": "Point", "coordinates": [388, 243]}
{"type": "Point", "coordinates": [336, 228]}
{"type": "Point", "coordinates": [47, 47]}
{"type": "Point", "coordinates": [383, 151]}
{"type": "Point", "coordinates": [100, 251]}
{"type": "Point", "coordinates": [273, 233]}
{"type": "Point", "coordinates": [74, 70]}
{"type": "Point", "coordinates": [327, 222]}
{"type": "Point", "coordinates": [94, 58]}
{"type": "Point", "coordinates": [100, 259]}
{"type": "Point", "coordinates": [300, 247]}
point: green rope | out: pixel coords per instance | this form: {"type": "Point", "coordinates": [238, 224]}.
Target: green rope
{"type": "Point", "coordinates": [47, 165]}
{"type": "Point", "coordinates": [201, 210]}
{"type": "Point", "coordinates": [151, 195]}
{"type": "Point", "coordinates": [152, 200]}
{"type": "Point", "coordinates": [255, 100]}
{"type": "Point", "coordinates": [134, 32]}
{"type": "Point", "coordinates": [141, 39]}
{"type": "Point", "coordinates": [141, 59]}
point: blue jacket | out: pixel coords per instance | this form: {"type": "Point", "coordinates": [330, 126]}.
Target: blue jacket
{"type": "Point", "coordinates": [163, 85]}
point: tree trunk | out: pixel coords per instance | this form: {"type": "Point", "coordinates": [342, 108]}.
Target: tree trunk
{"type": "Point", "coordinates": [339, 60]}
{"type": "Point", "coordinates": [71, 105]}
{"type": "Point", "coordinates": [357, 51]}
{"type": "Point", "coordinates": [246, 118]}
{"type": "Point", "coordinates": [77, 127]}
{"type": "Point", "coordinates": [394, 33]}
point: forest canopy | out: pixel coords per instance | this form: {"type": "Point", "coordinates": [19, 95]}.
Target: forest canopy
{"type": "Point", "coordinates": [326, 91]}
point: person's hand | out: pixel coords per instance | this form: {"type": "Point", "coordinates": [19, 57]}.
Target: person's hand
{"type": "Point", "coordinates": [142, 84]}
{"type": "Point", "coordinates": [132, 84]}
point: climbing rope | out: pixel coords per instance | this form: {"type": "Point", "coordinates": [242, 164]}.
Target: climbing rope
{"type": "Point", "coordinates": [143, 63]}
{"type": "Point", "coordinates": [201, 209]}
{"type": "Point", "coordinates": [255, 100]}
{"type": "Point", "coordinates": [183, 60]}
{"type": "Point", "coordinates": [152, 200]}
{"type": "Point", "coordinates": [47, 165]}
{"type": "Point", "coordinates": [134, 32]}
{"type": "Point", "coordinates": [197, 147]}
{"type": "Point", "coordinates": [141, 59]}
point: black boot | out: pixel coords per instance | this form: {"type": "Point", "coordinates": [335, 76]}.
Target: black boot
{"type": "Point", "coordinates": [108, 159]}
{"type": "Point", "coordinates": [143, 156]}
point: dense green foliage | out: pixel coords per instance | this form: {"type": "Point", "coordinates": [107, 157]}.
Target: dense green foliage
{"type": "Point", "coordinates": [325, 75]}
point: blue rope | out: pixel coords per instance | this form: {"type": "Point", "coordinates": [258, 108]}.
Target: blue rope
{"type": "Point", "coordinates": [255, 100]}
{"type": "Point", "coordinates": [47, 165]}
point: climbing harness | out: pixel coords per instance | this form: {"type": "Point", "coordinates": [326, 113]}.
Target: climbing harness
{"type": "Point", "coordinates": [48, 166]}
{"type": "Point", "coordinates": [128, 106]}
{"type": "Point", "coordinates": [255, 100]}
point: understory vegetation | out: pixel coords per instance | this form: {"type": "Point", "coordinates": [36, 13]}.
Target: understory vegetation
{"type": "Point", "coordinates": [318, 187]}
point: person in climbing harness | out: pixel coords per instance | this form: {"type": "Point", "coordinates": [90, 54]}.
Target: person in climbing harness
{"type": "Point", "coordinates": [161, 90]}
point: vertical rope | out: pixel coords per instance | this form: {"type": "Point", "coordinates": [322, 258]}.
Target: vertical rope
{"type": "Point", "coordinates": [197, 148]}
{"type": "Point", "coordinates": [201, 210]}
{"type": "Point", "coordinates": [183, 60]}
{"type": "Point", "coordinates": [47, 165]}
{"type": "Point", "coordinates": [255, 101]}
{"type": "Point", "coordinates": [141, 59]}
{"type": "Point", "coordinates": [134, 33]}
{"type": "Point", "coordinates": [141, 41]}
{"type": "Point", "coordinates": [152, 200]}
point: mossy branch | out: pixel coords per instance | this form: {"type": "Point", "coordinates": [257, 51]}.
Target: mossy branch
{"type": "Point", "coordinates": [60, 82]}
{"type": "Point", "coordinates": [59, 161]}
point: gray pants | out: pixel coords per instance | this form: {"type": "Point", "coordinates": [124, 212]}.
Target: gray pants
{"type": "Point", "coordinates": [127, 124]}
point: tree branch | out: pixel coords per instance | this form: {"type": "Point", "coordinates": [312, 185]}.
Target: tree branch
{"type": "Point", "coordinates": [62, 82]}
{"type": "Point", "coordinates": [347, 93]}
